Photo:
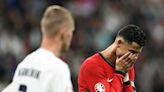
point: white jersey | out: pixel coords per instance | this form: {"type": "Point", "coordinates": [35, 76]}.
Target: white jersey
{"type": "Point", "coordinates": [41, 71]}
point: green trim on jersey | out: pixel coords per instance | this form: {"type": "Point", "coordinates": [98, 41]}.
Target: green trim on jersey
{"type": "Point", "coordinates": [112, 65]}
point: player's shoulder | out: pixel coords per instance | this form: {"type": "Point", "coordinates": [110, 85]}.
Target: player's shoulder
{"type": "Point", "coordinates": [43, 59]}
{"type": "Point", "coordinates": [59, 63]}
{"type": "Point", "coordinates": [92, 61]}
{"type": "Point", "coordinates": [91, 66]}
{"type": "Point", "coordinates": [27, 58]}
{"type": "Point", "coordinates": [32, 57]}
{"type": "Point", "coordinates": [58, 66]}
{"type": "Point", "coordinates": [52, 61]}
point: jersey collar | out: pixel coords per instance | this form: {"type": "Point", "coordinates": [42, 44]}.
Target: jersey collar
{"type": "Point", "coordinates": [108, 62]}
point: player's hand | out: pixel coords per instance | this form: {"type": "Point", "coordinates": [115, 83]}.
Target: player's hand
{"type": "Point", "coordinates": [125, 62]}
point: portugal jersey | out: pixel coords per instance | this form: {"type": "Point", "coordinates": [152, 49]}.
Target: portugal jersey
{"type": "Point", "coordinates": [41, 71]}
{"type": "Point", "coordinates": [98, 75]}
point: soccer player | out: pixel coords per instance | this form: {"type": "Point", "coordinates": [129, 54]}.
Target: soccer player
{"type": "Point", "coordinates": [43, 70]}
{"type": "Point", "coordinates": [111, 70]}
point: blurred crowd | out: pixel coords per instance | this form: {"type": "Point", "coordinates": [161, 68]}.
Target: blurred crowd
{"type": "Point", "coordinates": [97, 22]}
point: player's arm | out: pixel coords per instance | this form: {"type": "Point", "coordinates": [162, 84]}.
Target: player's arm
{"type": "Point", "coordinates": [95, 77]}
{"type": "Point", "coordinates": [125, 63]}
{"type": "Point", "coordinates": [129, 81]}
{"type": "Point", "coordinates": [97, 82]}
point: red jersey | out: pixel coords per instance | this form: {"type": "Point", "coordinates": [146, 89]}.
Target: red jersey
{"type": "Point", "coordinates": [98, 75]}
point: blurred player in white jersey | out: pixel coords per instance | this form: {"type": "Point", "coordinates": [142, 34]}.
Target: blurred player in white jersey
{"type": "Point", "coordinates": [42, 70]}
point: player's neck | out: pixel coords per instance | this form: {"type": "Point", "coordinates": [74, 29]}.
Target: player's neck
{"type": "Point", "coordinates": [109, 54]}
{"type": "Point", "coordinates": [110, 58]}
{"type": "Point", "coordinates": [52, 46]}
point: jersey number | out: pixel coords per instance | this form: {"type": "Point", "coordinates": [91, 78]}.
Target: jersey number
{"type": "Point", "coordinates": [22, 88]}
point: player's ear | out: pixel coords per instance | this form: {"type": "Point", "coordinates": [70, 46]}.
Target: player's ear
{"type": "Point", "coordinates": [62, 33]}
{"type": "Point", "coordinates": [119, 41]}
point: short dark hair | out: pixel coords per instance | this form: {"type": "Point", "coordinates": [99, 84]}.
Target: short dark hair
{"type": "Point", "coordinates": [132, 33]}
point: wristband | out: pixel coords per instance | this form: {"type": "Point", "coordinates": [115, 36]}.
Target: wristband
{"type": "Point", "coordinates": [126, 80]}
{"type": "Point", "coordinates": [120, 72]}
{"type": "Point", "coordinates": [126, 83]}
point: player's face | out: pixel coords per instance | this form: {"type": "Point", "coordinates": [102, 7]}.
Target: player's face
{"type": "Point", "coordinates": [127, 47]}
{"type": "Point", "coordinates": [68, 37]}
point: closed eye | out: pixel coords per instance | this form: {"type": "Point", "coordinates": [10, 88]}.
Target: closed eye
{"type": "Point", "coordinates": [133, 51]}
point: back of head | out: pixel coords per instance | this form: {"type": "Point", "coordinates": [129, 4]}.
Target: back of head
{"type": "Point", "coordinates": [54, 17]}
{"type": "Point", "coordinates": [132, 33]}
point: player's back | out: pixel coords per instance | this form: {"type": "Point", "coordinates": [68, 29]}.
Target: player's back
{"type": "Point", "coordinates": [40, 71]}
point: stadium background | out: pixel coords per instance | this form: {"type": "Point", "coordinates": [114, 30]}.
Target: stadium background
{"type": "Point", "coordinates": [97, 21]}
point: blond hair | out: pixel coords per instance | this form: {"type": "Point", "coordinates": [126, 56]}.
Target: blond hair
{"type": "Point", "coordinates": [54, 17]}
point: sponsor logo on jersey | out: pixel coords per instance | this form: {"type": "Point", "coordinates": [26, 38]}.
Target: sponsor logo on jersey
{"type": "Point", "coordinates": [99, 87]}
{"type": "Point", "coordinates": [109, 80]}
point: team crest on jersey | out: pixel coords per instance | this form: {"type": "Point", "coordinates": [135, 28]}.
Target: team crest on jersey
{"type": "Point", "coordinates": [99, 87]}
